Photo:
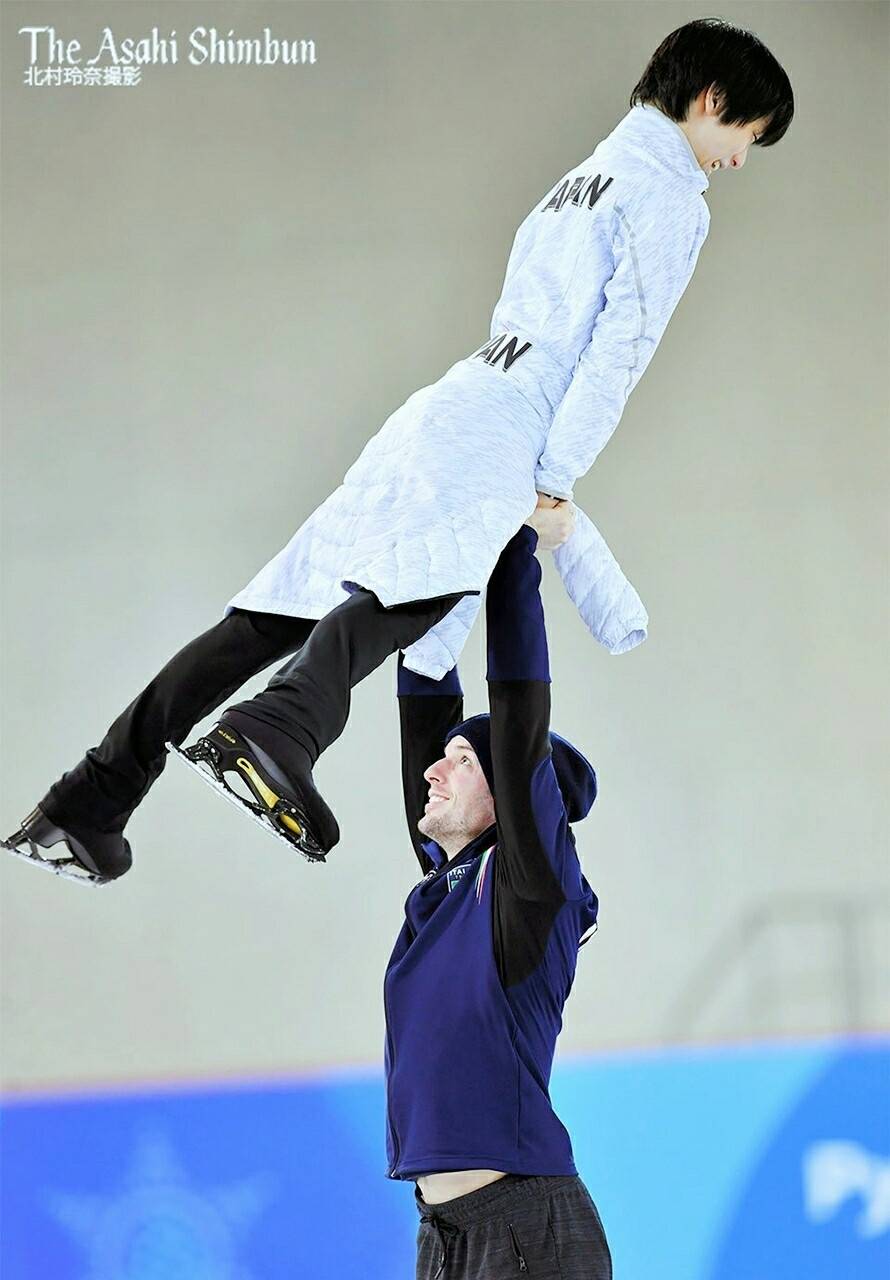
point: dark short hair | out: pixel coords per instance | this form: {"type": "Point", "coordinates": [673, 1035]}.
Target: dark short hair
{"type": "Point", "coordinates": [751, 84]}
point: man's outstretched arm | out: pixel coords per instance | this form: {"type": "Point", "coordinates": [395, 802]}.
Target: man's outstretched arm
{"type": "Point", "coordinates": [536, 856]}
{"type": "Point", "coordinates": [428, 710]}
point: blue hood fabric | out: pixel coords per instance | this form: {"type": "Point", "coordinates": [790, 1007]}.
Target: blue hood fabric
{"type": "Point", "coordinates": [574, 773]}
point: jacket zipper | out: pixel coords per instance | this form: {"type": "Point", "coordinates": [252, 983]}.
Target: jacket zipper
{"type": "Point", "coordinates": [523, 1265]}
{"type": "Point", "coordinates": [392, 1063]}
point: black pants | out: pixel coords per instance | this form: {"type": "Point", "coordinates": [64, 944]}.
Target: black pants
{"type": "Point", "coordinates": [545, 1228]}
{"type": "Point", "coordinates": [303, 709]}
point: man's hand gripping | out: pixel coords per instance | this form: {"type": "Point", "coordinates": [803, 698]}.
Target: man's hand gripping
{"type": "Point", "coordinates": [553, 519]}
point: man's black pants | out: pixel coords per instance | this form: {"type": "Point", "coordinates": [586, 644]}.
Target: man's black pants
{"type": "Point", "coordinates": [545, 1228]}
{"type": "Point", "coordinates": [303, 709]}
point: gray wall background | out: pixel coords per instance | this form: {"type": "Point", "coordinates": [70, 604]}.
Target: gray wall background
{"type": "Point", "coordinates": [217, 285]}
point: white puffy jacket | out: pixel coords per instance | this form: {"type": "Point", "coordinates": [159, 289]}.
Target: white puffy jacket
{"type": "Point", "coordinates": [594, 274]}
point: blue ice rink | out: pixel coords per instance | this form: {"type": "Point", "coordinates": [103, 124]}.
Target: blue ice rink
{"type": "Point", "coordinates": [767, 1162]}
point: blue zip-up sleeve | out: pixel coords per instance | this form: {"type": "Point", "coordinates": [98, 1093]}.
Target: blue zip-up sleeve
{"type": "Point", "coordinates": [536, 856]}
{"type": "Point", "coordinates": [428, 710]}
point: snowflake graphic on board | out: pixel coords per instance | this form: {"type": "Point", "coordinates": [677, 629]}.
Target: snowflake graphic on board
{"type": "Point", "coordinates": [160, 1226]}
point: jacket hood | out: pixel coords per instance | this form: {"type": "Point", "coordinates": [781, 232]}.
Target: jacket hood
{"type": "Point", "coordinates": [574, 773]}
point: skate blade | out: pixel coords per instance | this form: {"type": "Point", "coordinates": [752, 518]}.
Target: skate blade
{"type": "Point", "coordinates": [205, 773]}
{"type": "Point", "coordinates": [67, 868]}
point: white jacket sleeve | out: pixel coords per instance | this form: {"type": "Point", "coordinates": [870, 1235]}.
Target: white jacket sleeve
{"type": "Point", "coordinates": [655, 252]}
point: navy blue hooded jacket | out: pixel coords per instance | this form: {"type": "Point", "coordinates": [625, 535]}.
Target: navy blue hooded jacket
{"type": "Point", "coordinates": [476, 984]}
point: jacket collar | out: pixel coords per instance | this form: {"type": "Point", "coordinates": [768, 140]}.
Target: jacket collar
{"type": "Point", "coordinates": [439, 857]}
{"type": "Point", "coordinates": [648, 130]}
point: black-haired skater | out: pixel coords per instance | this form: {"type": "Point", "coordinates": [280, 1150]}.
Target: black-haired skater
{"type": "Point", "coordinates": [595, 272]}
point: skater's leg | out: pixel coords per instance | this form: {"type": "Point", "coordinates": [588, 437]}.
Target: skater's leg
{"type": "Point", "coordinates": [305, 706]}
{"type": "Point", "coordinates": [271, 742]}
{"type": "Point", "coordinates": [105, 787]}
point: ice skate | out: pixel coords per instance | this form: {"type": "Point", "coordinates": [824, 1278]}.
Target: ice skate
{"type": "Point", "coordinates": [275, 803]}
{"type": "Point", "coordinates": [96, 857]}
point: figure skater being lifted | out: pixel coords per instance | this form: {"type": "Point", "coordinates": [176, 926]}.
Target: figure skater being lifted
{"type": "Point", "coordinates": [405, 545]}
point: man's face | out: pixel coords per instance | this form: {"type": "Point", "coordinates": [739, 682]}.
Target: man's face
{"type": "Point", "coordinates": [718, 146]}
{"type": "Point", "coordinates": [460, 805]}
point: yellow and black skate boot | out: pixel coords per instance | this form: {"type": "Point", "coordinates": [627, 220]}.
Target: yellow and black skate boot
{"type": "Point", "coordinates": [289, 807]}
{"type": "Point", "coordinates": [96, 857]}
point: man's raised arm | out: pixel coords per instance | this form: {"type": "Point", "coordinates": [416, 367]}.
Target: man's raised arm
{"type": "Point", "coordinates": [535, 850]}
{"type": "Point", "coordinates": [428, 709]}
